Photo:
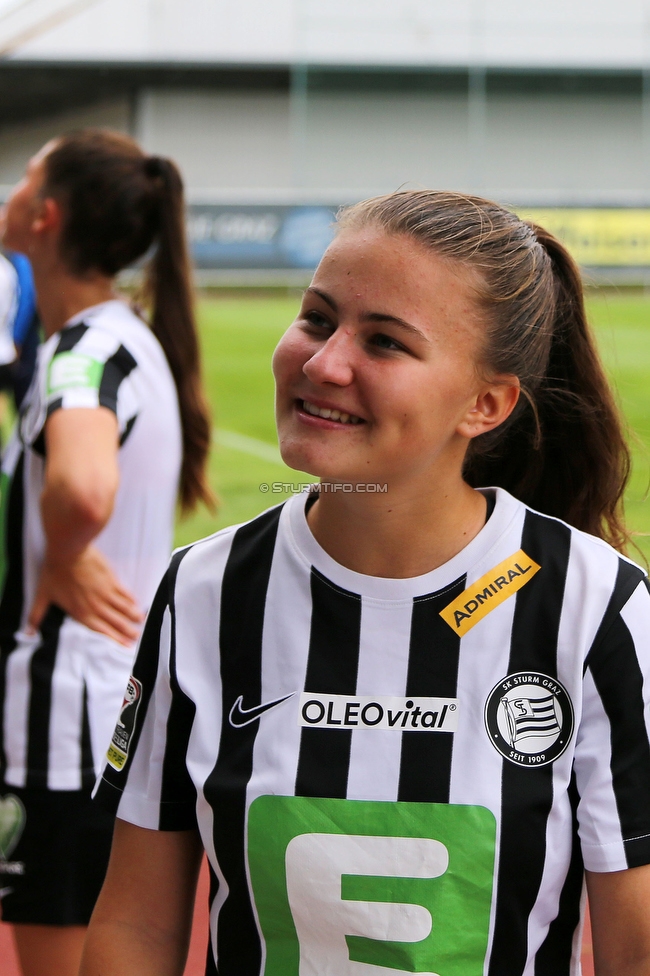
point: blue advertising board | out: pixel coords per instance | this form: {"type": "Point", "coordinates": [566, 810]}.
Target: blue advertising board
{"type": "Point", "coordinates": [225, 236]}
{"type": "Point", "coordinates": [271, 244]}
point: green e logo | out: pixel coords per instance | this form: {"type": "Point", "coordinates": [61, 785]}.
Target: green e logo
{"type": "Point", "coordinates": [356, 888]}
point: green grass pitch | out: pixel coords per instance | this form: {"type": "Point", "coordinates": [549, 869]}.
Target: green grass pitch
{"type": "Point", "coordinates": [239, 335]}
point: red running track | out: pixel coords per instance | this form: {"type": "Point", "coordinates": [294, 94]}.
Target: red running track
{"type": "Point", "coordinates": [198, 946]}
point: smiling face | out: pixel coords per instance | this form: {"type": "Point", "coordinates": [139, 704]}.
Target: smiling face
{"type": "Point", "coordinates": [377, 379]}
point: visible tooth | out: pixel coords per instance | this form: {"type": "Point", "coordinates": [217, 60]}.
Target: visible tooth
{"type": "Point", "coordinates": [327, 414]}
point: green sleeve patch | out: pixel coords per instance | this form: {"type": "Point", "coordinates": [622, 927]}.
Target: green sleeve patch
{"type": "Point", "coordinates": [74, 371]}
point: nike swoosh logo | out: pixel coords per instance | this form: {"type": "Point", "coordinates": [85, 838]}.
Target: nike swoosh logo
{"type": "Point", "coordinates": [5, 891]}
{"type": "Point", "coordinates": [239, 717]}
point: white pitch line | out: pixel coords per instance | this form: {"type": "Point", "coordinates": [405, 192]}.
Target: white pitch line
{"type": "Point", "coordinates": [248, 445]}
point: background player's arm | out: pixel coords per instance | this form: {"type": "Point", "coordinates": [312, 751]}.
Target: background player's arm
{"type": "Point", "coordinates": [142, 921]}
{"type": "Point", "coordinates": [620, 921]}
{"type": "Point", "coordinates": [80, 484]}
{"type": "Point", "coordinates": [81, 478]}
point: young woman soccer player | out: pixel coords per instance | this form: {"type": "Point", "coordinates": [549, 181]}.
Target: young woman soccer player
{"type": "Point", "coordinates": [113, 425]}
{"type": "Point", "coordinates": [402, 713]}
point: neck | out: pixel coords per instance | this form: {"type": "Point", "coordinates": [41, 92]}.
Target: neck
{"type": "Point", "coordinates": [61, 295]}
{"type": "Point", "coordinates": [400, 534]}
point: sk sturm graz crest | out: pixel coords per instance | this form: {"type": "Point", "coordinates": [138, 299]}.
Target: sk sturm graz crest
{"type": "Point", "coordinates": [529, 718]}
{"type": "Point", "coordinates": [118, 750]}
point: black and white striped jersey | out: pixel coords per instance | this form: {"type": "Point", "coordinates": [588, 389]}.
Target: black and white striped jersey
{"type": "Point", "coordinates": [394, 775]}
{"type": "Point", "coordinates": [61, 689]}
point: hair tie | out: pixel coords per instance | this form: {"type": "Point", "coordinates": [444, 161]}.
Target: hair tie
{"type": "Point", "coordinates": [154, 166]}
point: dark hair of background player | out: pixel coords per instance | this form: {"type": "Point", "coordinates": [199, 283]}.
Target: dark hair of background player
{"type": "Point", "coordinates": [117, 204]}
{"type": "Point", "coordinates": [563, 449]}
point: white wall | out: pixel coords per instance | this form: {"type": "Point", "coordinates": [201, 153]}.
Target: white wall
{"type": "Point", "coordinates": [567, 149]}
{"type": "Point", "coordinates": [549, 149]}
{"type": "Point", "coordinates": [236, 147]}
{"type": "Point", "coordinates": [226, 141]}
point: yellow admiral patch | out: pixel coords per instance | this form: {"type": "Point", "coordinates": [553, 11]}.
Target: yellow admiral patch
{"type": "Point", "coordinates": [489, 591]}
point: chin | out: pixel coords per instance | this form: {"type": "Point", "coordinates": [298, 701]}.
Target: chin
{"type": "Point", "coordinates": [301, 458]}
{"type": "Point", "coordinates": [296, 457]}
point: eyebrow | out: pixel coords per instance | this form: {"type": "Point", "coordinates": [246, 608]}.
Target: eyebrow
{"type": "Point", "coordinates": [394, 320]}
{"type": "Point", "coordinates": [326, 298]}
{"type": "Point", "coordinates": [373, 316]}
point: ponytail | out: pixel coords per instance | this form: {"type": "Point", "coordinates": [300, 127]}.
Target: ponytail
{"type": "Point", "coordinates": [169, 289]}
{"type": "Point", "coordinates": [117, 203]}
{"type": "Point", "coordinates": [562, 450]}
{"type": "Point", "coordinates": [565, 453]}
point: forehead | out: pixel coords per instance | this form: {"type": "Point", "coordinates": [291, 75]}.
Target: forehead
{"type": "Point", "coordinates": [395, 274]}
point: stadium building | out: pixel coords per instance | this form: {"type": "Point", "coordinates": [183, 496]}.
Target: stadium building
{"type": "Point", "coordinates": [279, 111]}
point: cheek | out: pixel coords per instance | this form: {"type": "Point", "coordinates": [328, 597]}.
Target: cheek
{"type": "Point", "coordinates": [279, 362]}
{"type": "Point", "coordinates": [443, 393]}
{"type": "Point", "coordinates": [16, 215]}
{"type": "Point", "coordinates": [288, 360]}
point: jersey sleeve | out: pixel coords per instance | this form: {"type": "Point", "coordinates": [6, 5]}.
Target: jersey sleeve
{"type": "Point", "coordinates": [145, 779]}
{"type": "Point", "coordinates": [90, 368]}
{"type": "Point", "coordinates": [612, 759]}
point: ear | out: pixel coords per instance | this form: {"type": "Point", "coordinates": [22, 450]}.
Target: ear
{"type": "Point", "coordinates": [48, 217]}
{"type": "Point", "coordinates": [493, 404]}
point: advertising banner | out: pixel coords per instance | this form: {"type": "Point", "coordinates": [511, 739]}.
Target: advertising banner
{"type": "Point", "coordinates": [597, 238]}
{"type": "Point", "coordinates": [258, 237]}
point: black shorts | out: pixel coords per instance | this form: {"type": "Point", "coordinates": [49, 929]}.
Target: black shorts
{"type": "Point", "coordinates": [54, 849]}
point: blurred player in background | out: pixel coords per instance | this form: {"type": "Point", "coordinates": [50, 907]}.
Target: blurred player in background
{"type": "Point", "coordinates": [114, 428]}
{"type": "Point", "coordinates": [26, 327]}
{"type": "Point", "coordinates": [403, 712]}
{"type": "Point", "coordinates": [8, 306]}
{"type": "Point", "coordinates": [21, 333]}
{"type": "Point", "coordinates": [18, 319]}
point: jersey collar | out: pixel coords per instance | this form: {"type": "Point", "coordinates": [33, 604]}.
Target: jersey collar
{"type": "Point", "coordinates": [399, 591]}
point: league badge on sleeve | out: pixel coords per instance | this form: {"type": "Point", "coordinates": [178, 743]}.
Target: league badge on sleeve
{"type": "Point", "coordinates": [529, 718]}
{"type": "Point", "coordinates": [118, 751]}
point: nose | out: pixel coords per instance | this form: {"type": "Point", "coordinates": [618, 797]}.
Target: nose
{"type": "Point", "coordinates": [333, 363]}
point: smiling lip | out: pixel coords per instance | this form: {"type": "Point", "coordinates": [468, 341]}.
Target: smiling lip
{"type": "Point", "coordinates": [332, 414]}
